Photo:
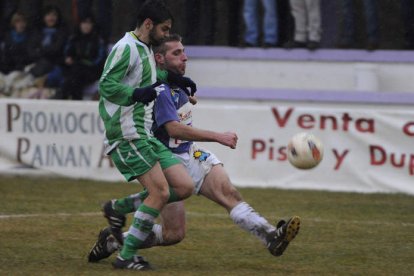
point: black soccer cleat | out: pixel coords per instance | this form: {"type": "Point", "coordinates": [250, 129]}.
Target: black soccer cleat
{"type": "Point", "coordinates": [278, 240]}
{"type": "Point", "coordinates": [136, 263]}
{"type": "Point", "coordinates": [104, 247]}
{"type": "Point", "coordinates": [115, 220]}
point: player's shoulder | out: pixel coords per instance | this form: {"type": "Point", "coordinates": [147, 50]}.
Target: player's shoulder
{"type": "Point", "coordinates": [179, 96]}
{"type": "Point", "coordinates": [179, 91]}
{"type": "Point", "coordinates": [127, 43]}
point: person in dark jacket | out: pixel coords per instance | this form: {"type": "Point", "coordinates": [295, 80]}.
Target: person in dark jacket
{"type": "Point", "coordinates": [46, 47]}
{"type": "Point", "coordinates": [84, 57]}
{"type": "Point", "coordinates": [15, 45]}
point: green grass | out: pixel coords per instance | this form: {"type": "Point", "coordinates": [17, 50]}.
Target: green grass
{"type": "Point", "coordinates": [341, 234]}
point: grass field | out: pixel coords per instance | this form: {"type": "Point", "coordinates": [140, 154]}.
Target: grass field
{"type": "Point", "coordinates": [47, 226]}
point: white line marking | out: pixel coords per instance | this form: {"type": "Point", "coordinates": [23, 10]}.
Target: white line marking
{"type": "Point", "coordinates": [198, 214]}
{"type": "Point", "coordinates": [50, 215]}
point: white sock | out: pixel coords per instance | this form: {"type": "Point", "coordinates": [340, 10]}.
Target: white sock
{"type": "Point", "coordinates": [157, 229]}
{"type": "Point", "coordinates": [158, 239]}
{"type": "Point", "coordinates": [248, 219]}
{"type": "Point", "coordinates": [137, 200]}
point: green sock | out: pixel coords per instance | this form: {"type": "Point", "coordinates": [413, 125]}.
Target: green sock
{"type": "Point", "coordinates": [131, 203]}
{"type": "Point", "coordinates": [124, 206]}
{"type": "Point", "coordinates": [139, 230]}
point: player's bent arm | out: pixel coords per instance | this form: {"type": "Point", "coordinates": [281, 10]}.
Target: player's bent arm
{"type": "Point", "coordinates": [184, 132]}
{"type": "Point", "coordinates": [110, 83]}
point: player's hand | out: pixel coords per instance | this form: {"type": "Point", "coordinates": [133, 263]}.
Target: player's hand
{"type": "Point", "coordinates": [229, 139]}
{"type": "Point", "coordinates": [192, 99]}
{"type": "Point", "coordinates": [147, 94]}
{"type": "Point", "coordinates": [184, 83]}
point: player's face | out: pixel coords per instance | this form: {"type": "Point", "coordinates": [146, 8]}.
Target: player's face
{"type": "Point", "coordinates": [175, 57]}
{"type": "Point", "coordinates": [160, 31]}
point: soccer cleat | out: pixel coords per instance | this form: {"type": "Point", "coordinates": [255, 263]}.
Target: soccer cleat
{"type": "Point", "coordinates": [278, 240]}
{"type": "Point", "coordinates": [115, 220]}
{"type": "Point", "coordinates": [104, 247]}
{"type": "Point", "coordinates": [136, 263]}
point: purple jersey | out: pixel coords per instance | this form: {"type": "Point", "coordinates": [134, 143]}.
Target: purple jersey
{"type": "Point", "coordinates": [172, 105]}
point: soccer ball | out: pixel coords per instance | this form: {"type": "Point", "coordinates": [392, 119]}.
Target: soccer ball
{"type": "Point", "coordinates": [305, 151]}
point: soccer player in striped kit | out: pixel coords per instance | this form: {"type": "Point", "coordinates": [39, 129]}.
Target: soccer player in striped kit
{"type": "Point", "coordinates": [127, 90]}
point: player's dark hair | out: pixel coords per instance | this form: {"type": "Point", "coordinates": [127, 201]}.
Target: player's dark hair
{"type": "Point", "coordinates": [156, 10]}
{"type": "Point", "coordinates": [162, 48]}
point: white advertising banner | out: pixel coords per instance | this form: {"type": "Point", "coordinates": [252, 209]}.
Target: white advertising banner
{"type": "Point", "coordinates": [60, 137]}
{"type": "Point", "coordinates": [367, 148]}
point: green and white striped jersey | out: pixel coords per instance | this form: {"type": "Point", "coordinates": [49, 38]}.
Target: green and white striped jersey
{"type": "Point", "coordinates": [129, 65]}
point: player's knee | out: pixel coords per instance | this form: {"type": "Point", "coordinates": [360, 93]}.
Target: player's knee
{"type": "Point", "coordinates": [174, 237]}
{"type": "Point", "coordinates": [185, 189]}
{"type": "Point", "coordinates": [189, 188]}
{"type": "Point", "coordinates": [163, 195]}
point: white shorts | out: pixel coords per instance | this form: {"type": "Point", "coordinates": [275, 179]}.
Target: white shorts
{"type": "Point", "coordinates": [198, 163]}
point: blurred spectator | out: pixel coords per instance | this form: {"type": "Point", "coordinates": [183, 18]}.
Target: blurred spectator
{"type": "Point", "coordinates": [104, 16]}
{"type": "Point", "coordinates": [407, 13]}
{"type": "Point", "coordinates": [31, 9]}
{"type": "Point", "coordinates": [15, 45]}
{"type": "Point", "coordinates": [330, 23]}
{"type": "Point", "coordinates": [46, 47]}
{"type": "Point", "coordinates": [347, 37]}
{"type": "Point", "coordinates": [286, 22]}
{"type": "Point", "coordinates": [199, 22]}
{"type": "Point", "coordinates": [233, 22]}
{"type": "Point", "coordinates": [14, 57]}
{"type": "Point", "coordinates": [307, 17]}
{"type": "Point", "coordinates": [270, 23]}
{"type": "Point", "coordinates": [84, 57]}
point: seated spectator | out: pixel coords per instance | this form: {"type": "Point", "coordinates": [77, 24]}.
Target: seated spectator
{"type": "Point", "coordinates": [15, 56]}
{"type": "Point", "coordinates": [46, 47]}
{"type": "Point", "coordinates": [84, 57]}
{"type": "Point", "coordinates": [31, 9]}
{"type": "Point", "coordinates": [104, 14]}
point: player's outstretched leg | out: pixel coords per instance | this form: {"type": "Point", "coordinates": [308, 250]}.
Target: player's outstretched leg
{"type": "Point", "coordinates": [278, 240]}
{"type": "Point", "coordinates": [115, 220]}
{"type": "Point", "coordinates": [104, 247]}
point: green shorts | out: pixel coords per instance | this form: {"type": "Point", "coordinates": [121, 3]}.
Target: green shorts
{"type": "Point", "coordinates": [134, 158]}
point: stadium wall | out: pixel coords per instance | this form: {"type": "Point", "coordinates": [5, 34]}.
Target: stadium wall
{"type": "Point", "coordinates": [324, 70]}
